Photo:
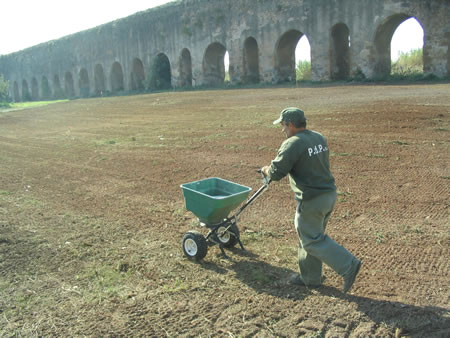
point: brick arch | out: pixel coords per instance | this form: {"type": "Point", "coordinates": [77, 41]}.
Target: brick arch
{"type": "Point", "coordinates": [213, 64]}
{"type": "Point", "coordinates": [116, 78]}
{"type": "Point", "coordinates": [250, 61]}
{"type": "Point", "coordinates": [382, 43]}
{"type": "Point", "coordinates": [284, 62]}
{"type": "Point", "coordinates": [69, 86]}
{"type": "Point", "coordinates": [25, 91]}
{"type": "Point", "coordinates": [46, 92]}
{"type": "Point", "coordinates": [83, 83]}
{"type": "Point", "coordinates": [160, 75]}
{"type": "Point", "coordinates": [137, 76]}
{"type": "Point", "coordinates": [99, 80]}
{"type": "Point", "coordinates": [340, 52]}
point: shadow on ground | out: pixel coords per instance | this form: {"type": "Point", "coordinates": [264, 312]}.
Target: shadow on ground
{"type": "Point", "coordinates": [410, 320]}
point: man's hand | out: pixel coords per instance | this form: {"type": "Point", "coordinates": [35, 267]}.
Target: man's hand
{"type": "Point", "coordinates": [265, 170]}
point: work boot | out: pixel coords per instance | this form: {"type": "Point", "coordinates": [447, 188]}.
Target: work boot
{"type": "Point", "coordinates": [296, 279]}
{"type": "Point", "coordinates": [350, 277]}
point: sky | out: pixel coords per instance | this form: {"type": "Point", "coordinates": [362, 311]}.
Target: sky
{"type": "Point", "coordinates": [25, 23]}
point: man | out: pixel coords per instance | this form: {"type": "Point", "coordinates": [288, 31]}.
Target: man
{"type": "Point", "coordinates": [304, 157]}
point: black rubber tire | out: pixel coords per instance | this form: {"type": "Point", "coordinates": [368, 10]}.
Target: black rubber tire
{"type": "Point", "coordinates": [194, 245]}
{"type": "Point", "coordinates": [229, 239]}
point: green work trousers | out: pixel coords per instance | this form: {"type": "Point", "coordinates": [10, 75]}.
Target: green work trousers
{"type": "Point", "coordinates": [315, 246]}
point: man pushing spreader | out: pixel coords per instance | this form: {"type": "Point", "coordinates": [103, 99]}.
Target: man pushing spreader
{"type": "Point", "coordinates": [304, 157]}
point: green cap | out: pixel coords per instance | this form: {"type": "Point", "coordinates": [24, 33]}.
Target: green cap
{"type": "Point", "coordinates": [291, 114]}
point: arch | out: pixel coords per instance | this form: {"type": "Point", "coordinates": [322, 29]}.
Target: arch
{"type": "Point", "coordinates": [34, 89]}
{"type": "Point", "coordinates": [407, 54]}
{"type": "Point", "coordinates": [285, 56]}
{"type": "Point", "coordinates": [45, 88]}
{"type": "Point", "coordinates": [58, 93]}
{"type": "Point", "coordinates": [160, 73]}
{"type": "Point", "coordinates": [69, 85]}
{"type": "Point", "coordinates": [303, 69]}
{"type": "Point", "coordinates": [383, 37]}
{"type": "Point", "coordinates": [137, 78]}
{"type": "Point", "coordinates": [214, 65]}
{"type": "Point", "coordinates": [340, 52]}
{"type": "Point", "coordinates": [116, 77]}
{"type": "Point", "coordinates": [185, 68]}
{"type": "Point", "coordinates": [83, 83]}
{"type": "Point", "coordinates": [25, 91]}
{"type": "Point", "coordinates": [99, 80]}
{"type": "Point", "coordinates": [16, 92]}
{"type": "Point", "coordinates": [251, 61]}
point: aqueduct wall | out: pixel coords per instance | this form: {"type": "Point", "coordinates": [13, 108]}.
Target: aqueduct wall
{"type": "Point", "coordinates": [186, 41]}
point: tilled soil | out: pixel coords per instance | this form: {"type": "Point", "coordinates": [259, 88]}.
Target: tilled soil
{"type": "Point", "coordinates": [92, 215]}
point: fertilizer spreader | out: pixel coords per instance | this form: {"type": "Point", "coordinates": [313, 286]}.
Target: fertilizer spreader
{"type": "Point", "coordinates": [211, 200]}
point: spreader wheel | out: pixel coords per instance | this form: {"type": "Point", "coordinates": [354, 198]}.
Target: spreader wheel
{"type": "Point", "coordinates": [194, 245]}
{"type": "Point", "coordinates": [228, 238]}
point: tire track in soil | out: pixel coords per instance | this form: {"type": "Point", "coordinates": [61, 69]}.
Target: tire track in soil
{"type": "Point", "coordinates": [388, 270]}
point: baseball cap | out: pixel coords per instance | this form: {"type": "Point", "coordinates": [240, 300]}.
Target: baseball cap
{"type": "Point", "coordinates": [291, 114]}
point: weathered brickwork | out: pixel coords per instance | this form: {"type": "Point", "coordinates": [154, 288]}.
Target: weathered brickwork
{"type": "Point", "coordinates": [184, 42]}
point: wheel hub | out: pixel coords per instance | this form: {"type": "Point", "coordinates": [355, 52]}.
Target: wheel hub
{"type": "Point", "coordinates": [190, 246]}
{"type": "Point", "coordinates": [223, 235]}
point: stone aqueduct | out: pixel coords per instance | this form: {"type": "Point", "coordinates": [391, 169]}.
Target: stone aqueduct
{"type": "Point", "coordinates": [187, 40]}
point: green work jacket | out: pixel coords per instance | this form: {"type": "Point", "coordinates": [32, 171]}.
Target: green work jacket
{"type": "Point", "coordinates": [305, 158]}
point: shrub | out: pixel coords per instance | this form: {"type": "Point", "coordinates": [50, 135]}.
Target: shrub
{"type": "Point", "coordinates": [303, 71]}
{"type": "Point", "coordinates": [409, 63]}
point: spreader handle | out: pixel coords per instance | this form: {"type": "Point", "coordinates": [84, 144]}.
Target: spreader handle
{"type": "Point", "coordinates": [266, 180]}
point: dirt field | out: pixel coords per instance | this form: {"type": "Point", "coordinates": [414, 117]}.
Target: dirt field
{"type": "Point", "coordinates": [92, 215]}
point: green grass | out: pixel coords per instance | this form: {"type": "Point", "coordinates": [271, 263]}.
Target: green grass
{"type": "Point", "coordinates": [379, 237]}
{"type": "Point", "coordinates": [406, 229]}
{"type": "Point", "coordinates": [343, 195]}
{"type": "Point", "coordinates": [376, 155]}
{"type": "Point", "coordinates": [258, 275]}
{"type": "Point", "coordinates": [178, 285]}
{"type": "Point", "coordinates": [33, 104]}
{"type": "Point", "coordinates": [101, 282]}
